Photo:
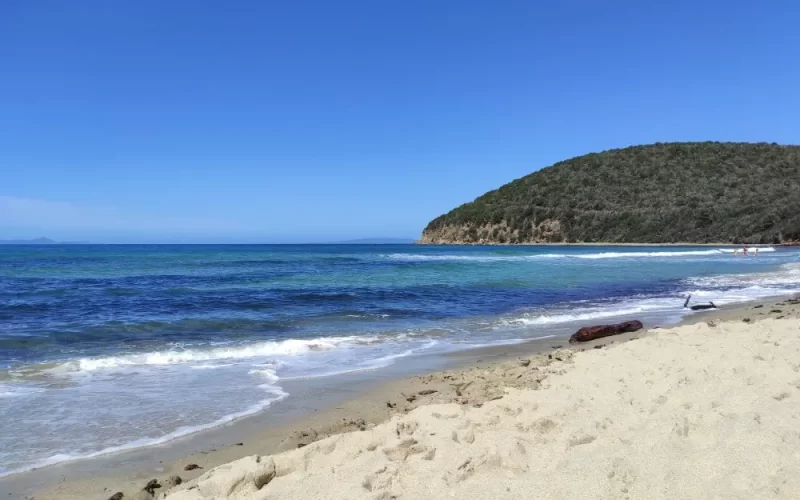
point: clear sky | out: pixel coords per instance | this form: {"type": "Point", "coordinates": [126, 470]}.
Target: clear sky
{"type": "Point", "coordinates": [300, 121]}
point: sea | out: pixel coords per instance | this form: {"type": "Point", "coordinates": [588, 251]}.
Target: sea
{"type": "Point", "coordinates": [110, 347]}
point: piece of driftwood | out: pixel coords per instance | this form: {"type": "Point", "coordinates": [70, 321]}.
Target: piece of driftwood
{"type": "Point", "coordinates": [588, 333]}
{"type": "Point", "coordinates": [698, 307]}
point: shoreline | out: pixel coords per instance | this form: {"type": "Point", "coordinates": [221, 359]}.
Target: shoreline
{"type": "Point", "coordinates": [320, 412]}
{"type": "Point", "coordinates": [731, 245]}
{"type": "Point", "coordinates": [706, 410]}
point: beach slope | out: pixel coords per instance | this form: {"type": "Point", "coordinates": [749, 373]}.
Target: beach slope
{"type": "Point", "coordinates": [698, 411]}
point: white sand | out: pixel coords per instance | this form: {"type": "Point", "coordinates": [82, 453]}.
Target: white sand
{"type": "Point", "coordinates": [694, 412]}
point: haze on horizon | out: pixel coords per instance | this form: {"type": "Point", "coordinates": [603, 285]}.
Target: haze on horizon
{"type": "Point", "coordinates": [254, 122]}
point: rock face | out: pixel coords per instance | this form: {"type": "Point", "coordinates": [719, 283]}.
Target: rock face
{"type": "Point", "coordinates": [546, 231]}
{"type": "Point", "coordinates": [588, 333]}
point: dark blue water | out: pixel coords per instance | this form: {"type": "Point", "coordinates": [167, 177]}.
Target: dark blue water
{"type": "Point", "coordinates": [118, 328]}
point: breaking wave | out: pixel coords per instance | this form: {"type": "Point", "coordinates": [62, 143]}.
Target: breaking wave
{"type": "Point", "coordinates": [409, 257]}
{"type": "Point", "coordinates": [290, 347]}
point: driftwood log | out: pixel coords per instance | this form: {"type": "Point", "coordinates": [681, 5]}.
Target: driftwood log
{"type": "Point", "coordinates": [588, 333]}
{"type": "Point", "coordinates": [698, 307]}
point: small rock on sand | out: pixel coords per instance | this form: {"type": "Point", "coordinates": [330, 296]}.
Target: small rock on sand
{"type": "Point", "coordinates": [192, 467]}
{"type": "Point", "coordinates": [151, 486]}
{"type": "Point", "coordinates": [172, 481]}
{"type": "Point", "coordinates": [116, 496]}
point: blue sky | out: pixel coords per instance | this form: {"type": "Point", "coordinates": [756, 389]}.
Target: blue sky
{"type": "Point", "coordinates": [208, 121]}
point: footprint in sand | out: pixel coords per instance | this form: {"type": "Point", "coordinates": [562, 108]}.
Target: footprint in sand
{"type": "Point", "coordinates": [405, 449]}
{"type": "Point", "coordinates": [379, 480]}
{"type": "Point", "coordinates": [578, 440]}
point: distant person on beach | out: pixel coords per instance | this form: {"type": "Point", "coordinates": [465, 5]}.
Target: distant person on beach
{"type": "Point", "coordinates": [744, 251]}
{"type": "Point", "coordinates": [755, 254]}
{"type": "Point", "coordinates": [735, 252]}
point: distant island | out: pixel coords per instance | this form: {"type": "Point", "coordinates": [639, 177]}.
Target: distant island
{"type": "Point", "coordinates": [40, 241]}
{"type": "Point", "coordinates": [702, 192]}
{"type": "Point", "coordinates": [377, 241]}
{"type": "Point", "coordinates": [35, 241]}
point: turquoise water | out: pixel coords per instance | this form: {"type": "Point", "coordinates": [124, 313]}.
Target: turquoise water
{"type": "Point", "coordinates": [111, 347]}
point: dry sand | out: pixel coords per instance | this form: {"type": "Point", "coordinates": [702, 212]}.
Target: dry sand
{"type": "Point", "coordinates": [704, 410]}
{"type": "Point", "coordinates": [697, 411]}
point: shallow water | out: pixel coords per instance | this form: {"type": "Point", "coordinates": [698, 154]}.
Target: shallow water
{"type": "Point", "coordinates": [111, 347]}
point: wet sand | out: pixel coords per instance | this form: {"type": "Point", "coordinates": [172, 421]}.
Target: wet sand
{"type": "Point", "coordinates": [326, 407]}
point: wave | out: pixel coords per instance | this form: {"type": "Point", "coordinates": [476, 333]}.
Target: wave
{"type": "Point", "coordinates": [368, 365]}
{"type": "Point", "coordinates": [503, 342]}
{"type": "Point", "coordinates": [721, 289]}
{"type": "Point", "coordinates": [591, 313]}
{"type": "Point", "coordinates": [276, 394]}
{"type": "Point", "coordinates": [677, 253]}
{"type": "Point", "coordinates": [11, 391]}
{"type": "Point", "coordinates": [290, 347]}
{"type": "Point", "coordinates": [389, 359]}
{"type": "Point", "coordinates": [267, 371]}
{"type": "Point", "coordinates": [738, 295]}
{"type": "Point", "coordinates": [206, 357]}
{"type": "Point", "coordinates": [410, 257]}
{"type": "Point", "coordinates": [786, 274]}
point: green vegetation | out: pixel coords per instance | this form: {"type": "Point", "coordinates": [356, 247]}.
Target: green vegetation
{"type": "Point", "coordinates": [705, 192]}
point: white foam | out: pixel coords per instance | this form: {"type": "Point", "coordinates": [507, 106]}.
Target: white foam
{"type": "Point", "coordinates": [735, 296]}
{"type": "Point", "coordinates": [290, 347]}
{"type": "Point", "coordinates": [372, 364]}
{"type": "Point", "coordinates": [639, 255]}
{"type": "Point", "coordinates": [409, 257]}
{"type": "Point", "coordinates": [733, 288]}
{"type": "Point", "coordinates": [749, 249]}
{"type": "Point", "coordinates": [211, 367]}
{"type": "Point", "coordinates": [668, 253]}
{"type": "Point", "coordinates": [390, 358]}
{"type": "Point", "coordinates": [467, 347]}
{"type": "Point", "coordinates": [787, 274]}
{"type": "Point", "coordinates": [721, 289]}
{"type": "Point", "coordinates": [276, 393]}
{"type": "Point", "coordinates": [11, 391]}
{"type": "Point", "coordinates": [590, 313]}
{"type": "Point", "coordinates": [267, 373]}
{"type": "Point", "coordinates": [387, 360]}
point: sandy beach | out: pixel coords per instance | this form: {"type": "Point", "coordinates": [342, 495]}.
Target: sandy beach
{"type": "Point", "coordinates": [706, 409]}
